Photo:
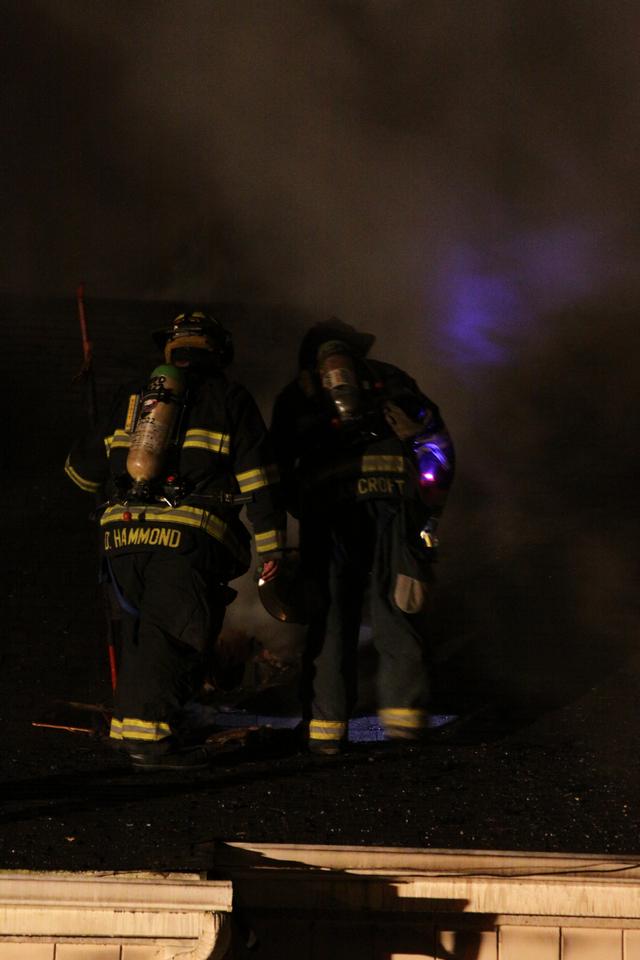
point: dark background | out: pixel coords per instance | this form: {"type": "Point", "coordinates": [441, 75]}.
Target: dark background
{"type": "Point", "coordinates": [458, 178]}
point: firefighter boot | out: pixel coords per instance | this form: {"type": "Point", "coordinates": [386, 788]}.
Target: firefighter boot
{"type": "Point", "coordinates": [166, 755]}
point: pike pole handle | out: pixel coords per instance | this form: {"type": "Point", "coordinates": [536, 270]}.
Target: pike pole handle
{"type": "Point", "coordinates": [113, 666]}
{"type": "Point", "coordinates": [86, 371]}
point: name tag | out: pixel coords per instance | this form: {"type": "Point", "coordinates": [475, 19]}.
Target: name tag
{"type": "Point", "coordinates": [380, 486]}
{"type": "Point", "coordinates": [119, 537]}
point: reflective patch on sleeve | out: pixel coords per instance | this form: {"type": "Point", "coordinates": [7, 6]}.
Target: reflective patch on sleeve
{"type": "Point", "coordinates": [256, 479]}
{"type": "Point", "coordinates": [270, 540]}
{"type": "Point", "coordinates": [120, 438]}
{"type": "Point", "coordinates": [89, 486]}
{"type": "Point", "coordinates": [210, 440]}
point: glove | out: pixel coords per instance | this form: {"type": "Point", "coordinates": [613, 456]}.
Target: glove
{"type": "Point", "coordinates": [268, 570]}
{"type": "Point", "coordinates": [429, 538]}
{"type": "Point", "coordinates": [400, 422]}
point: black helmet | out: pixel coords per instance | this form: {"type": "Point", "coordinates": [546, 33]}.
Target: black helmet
{"type": "Point", "coordinates": [287, 596]}
{"type": "Point", "coordinates": [195, 330]}
{"type": "Point", "coordinates": [333, 329]}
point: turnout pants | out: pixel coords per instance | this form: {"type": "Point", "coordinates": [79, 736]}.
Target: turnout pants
{"type": "Point", "coordinates": [171, 616]}
{"type": "Point", "coordinates": [356, 545]}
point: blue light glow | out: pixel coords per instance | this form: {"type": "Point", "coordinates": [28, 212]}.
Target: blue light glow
{"type": "Point", "coordinates": [433, 462]}
{"type": "Point", "coordinates": [481, 305]}
{"type": "Point", "coordinates": [494, 297]}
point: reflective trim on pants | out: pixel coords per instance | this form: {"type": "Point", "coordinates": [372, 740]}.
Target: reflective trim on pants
{"type": "Point", "coordinates": [327, 729]}
{"type": "Point", "coordinates": [407, 719]}
{"type": "Point", "coordinates": [132, 729]}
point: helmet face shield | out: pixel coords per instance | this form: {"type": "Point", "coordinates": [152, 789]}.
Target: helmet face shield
{"type": "Point", "coordinates": [196, 335]}
{"type": "Point", "coordinates": [182, 344]}
{"type": "Point", "coordinates": [199, 360]}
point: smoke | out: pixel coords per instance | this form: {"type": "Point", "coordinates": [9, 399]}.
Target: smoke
{"type": "Point", "coordinates": [326, 154]}
{"type": "Point", "coordinates": [460, 179]}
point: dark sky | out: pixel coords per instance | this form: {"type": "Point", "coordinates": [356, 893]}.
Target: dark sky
{"type": "Point", "coordinates": [460, 177]}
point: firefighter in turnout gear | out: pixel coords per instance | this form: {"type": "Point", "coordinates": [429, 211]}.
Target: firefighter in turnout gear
{"type": "Point", "coordinates": [366, 463]}
{"type": "Point", "coordinates": [175, 464]}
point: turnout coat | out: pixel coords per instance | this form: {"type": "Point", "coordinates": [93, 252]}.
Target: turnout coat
{"type": "Point", "coordinates": [221, 451]}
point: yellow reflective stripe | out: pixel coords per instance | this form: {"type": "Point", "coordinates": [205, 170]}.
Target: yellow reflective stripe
{"type": "Point", "coordinates": [184, 515]}
{"type": "Point", "coordinates": [211, 440]}
{"type": "Point", "coordinates": [131, 412]}
{"type": "Point", "coordinates": [115, 731]}
{"type": "Point", "coordinates": [134, 729]}
{"type": "Point", "coordinates": [89, 486]}
{"type": "Point", "coordinates": [403, 717]}
{"type": "Point", "coordinates": [194, 444]}
{"type": "Point", "coordinates": [383, 464]}
{"type": "Point", "coordinates": [255, 479]}
{"type": "Point", "coordinates": [271, 540]}
{"type": "Point", "coordinates": [191, 516]}
{"type": "Point", "coordinates": [402, 711]}
{"type": "Point", "coordinates": [120, 438]}
{"type": "Point", "coordinates": [327, 729]}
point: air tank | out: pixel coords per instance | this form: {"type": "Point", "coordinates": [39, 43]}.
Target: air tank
{"type": "Point", "coordinates": [161, 404]}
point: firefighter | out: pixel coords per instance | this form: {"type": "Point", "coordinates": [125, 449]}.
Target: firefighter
{"type": "Point", "coordinates": [366, 462]}
{"type": "Point", "coordinates": [176, 463]}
